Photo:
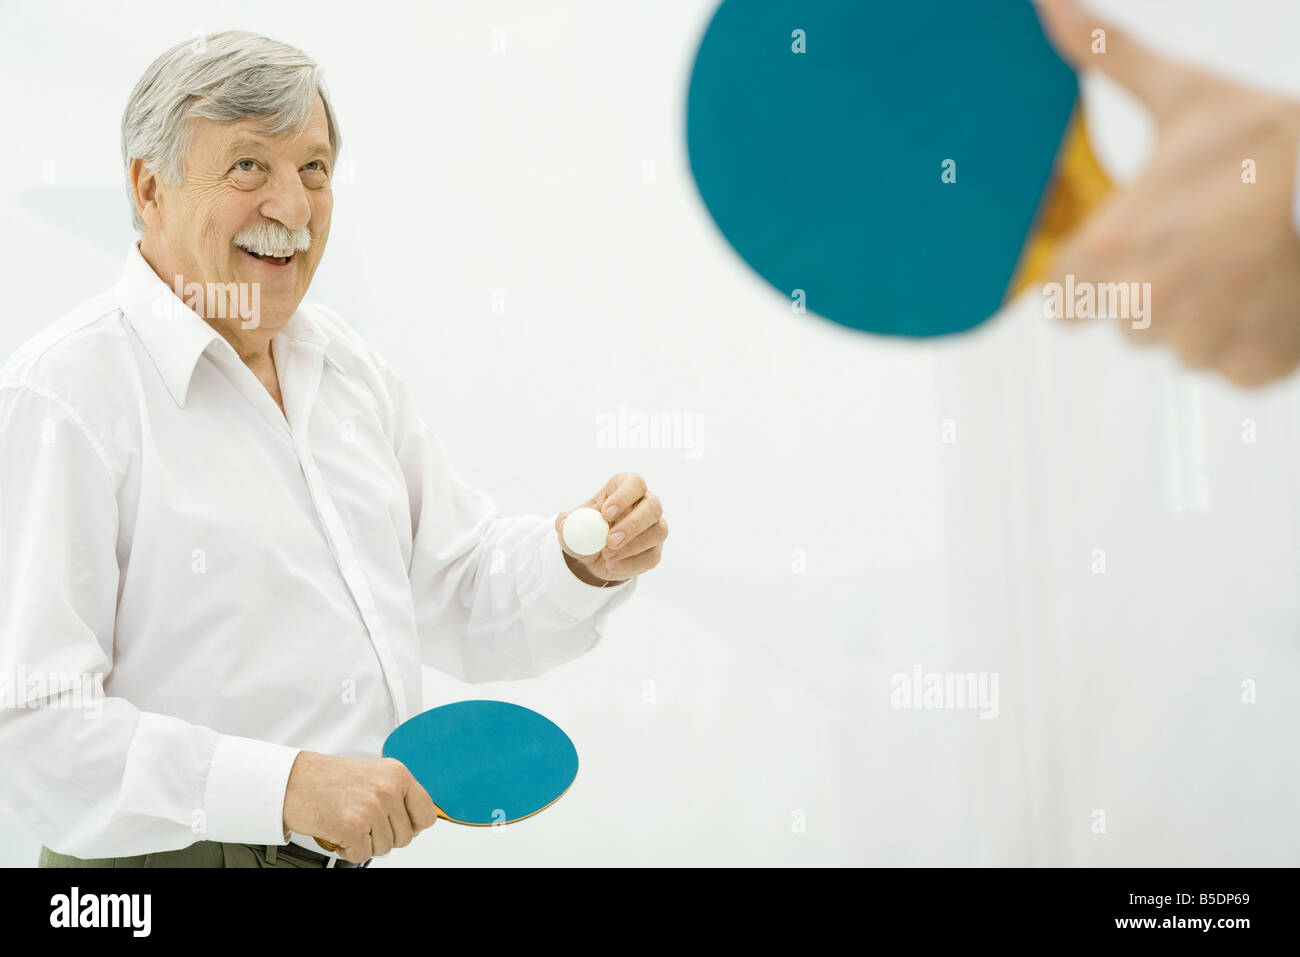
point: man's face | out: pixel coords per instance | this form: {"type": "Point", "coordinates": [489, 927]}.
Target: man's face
{"type": "Point", "coordinates": [270, 193]}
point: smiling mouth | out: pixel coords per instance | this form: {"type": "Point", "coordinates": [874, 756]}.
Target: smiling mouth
{"type": "Point", "coordinates": [269, 260]}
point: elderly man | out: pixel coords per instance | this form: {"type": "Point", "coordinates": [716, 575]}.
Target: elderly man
{"type": "Point", "coordinates": [216, 499]}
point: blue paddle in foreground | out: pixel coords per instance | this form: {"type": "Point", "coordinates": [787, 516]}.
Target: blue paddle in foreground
{"type": "Point", "coordinates": [881, 165]}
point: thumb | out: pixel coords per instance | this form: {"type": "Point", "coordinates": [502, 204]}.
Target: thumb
{"type": "Point", "coordinates": [1086, 41]}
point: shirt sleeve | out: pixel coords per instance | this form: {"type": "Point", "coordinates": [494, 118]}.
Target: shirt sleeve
{"type": "Point", "coordinates": [494, 597]}
{"type": "Point", "coordinates": [89, 773]}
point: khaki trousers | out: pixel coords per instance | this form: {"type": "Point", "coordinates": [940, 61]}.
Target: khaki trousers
{"type": "Point", "coordinates": [202, 854]}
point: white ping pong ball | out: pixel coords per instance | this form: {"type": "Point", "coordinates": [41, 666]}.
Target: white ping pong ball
{"type": "Point", "coordinates": [585, 531]}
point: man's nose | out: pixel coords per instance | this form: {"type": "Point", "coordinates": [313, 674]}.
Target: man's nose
{"type": "Point", "coordinates": [287, 201]}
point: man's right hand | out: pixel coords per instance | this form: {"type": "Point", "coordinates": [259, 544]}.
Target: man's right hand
{"type": "Point", "coordinates": [366, 806]}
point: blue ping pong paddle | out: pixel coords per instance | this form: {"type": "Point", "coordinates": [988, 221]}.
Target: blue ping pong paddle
{"type": "Point", "coordinates": [484, 762]}
{"type": "Point", "coordinates": [881, 164]}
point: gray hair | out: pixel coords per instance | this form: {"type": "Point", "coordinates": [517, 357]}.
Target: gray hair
{"type": "Point", "coordinates": [226, 77]}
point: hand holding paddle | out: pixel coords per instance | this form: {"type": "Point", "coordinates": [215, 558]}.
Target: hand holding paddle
{"type": "Point", "coordinates": [1209, 222]}
{"type": "Point", "coordinates": [367, 806]}
{"type": "Point", "coordinates": [488, 762]}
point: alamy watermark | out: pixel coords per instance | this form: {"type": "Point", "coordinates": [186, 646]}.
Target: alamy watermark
{"type": "Point", "coordinates": [53, 689]}
{"type": "Point", "coordinates": [213, 300]}
{"type": "Point", "coordinates": [651, 430]}
{"type": "Point", "coordinates": [1100, 300]}
{"type": "Point", "coordinates": [946, 689]}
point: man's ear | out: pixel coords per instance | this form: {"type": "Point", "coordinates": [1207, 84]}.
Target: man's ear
{"type": "Point", "coordinates": [145, 192]}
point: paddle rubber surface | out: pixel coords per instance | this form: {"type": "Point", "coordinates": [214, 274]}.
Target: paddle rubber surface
{"type": "Point", "coordinates": [486, 762]}
{"type": "Point", "coordinates": [824, 169]}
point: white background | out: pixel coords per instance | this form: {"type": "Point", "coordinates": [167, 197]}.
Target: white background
{"type": "Point", "coordinates": [521, 171]}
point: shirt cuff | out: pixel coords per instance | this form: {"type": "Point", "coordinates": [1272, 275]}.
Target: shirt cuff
{"type": "Point", "coordinates": [568, 592]}
{"type": "Point", "coordinates": [245, 793]}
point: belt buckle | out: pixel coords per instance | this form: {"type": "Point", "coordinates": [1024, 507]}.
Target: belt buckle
{"type": "Point", "coordinates": [337, 861]}
{"type": "Point", "coordinates": [305, 853]}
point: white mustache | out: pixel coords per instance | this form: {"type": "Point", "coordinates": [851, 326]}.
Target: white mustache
{"type": "Point", "coordinates": [272, 239]}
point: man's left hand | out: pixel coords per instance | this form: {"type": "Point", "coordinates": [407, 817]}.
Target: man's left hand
{"type": "Point", "coordinates": [636, 532]}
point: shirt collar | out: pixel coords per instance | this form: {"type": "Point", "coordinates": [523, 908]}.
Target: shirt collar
{"type": "Point", "coordinates": [175, 335]}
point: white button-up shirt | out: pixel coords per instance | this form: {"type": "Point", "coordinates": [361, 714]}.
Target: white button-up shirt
{"type": "Point", "coordinates": [245, 583]}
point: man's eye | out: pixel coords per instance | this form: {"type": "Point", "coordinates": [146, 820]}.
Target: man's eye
{"type": "Point", "coordinates": [316, 166]}
{"type": "Point", "coordinates": [252, 165]}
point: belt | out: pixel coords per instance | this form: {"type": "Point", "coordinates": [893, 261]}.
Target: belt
{"type": "Point", "coordinates": [299, 853]}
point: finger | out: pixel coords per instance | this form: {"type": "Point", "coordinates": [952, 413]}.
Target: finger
{"type": "Point", "coordinates": [1143, 322]}
{"type": "Point", "coordinates": [381, 837]}
{"type": "Point", "coordinates": [400, 824]}
{"type": "Point", "coordinates": [1198, 351]}
{"type": "Point", "coordinates": [644, 514]}
{"type": "Point", "coordinates": [637, 564]}
{"type": "Point", "coordinates": [620, 493]}
{"type": "Point", "coordinates": [1088, 254]}
{"type": "Point", "coordinates": [420, 807]}
{"type": "Point", "coordinates": [652, 536]}
{"type": "Point", "coordinates": [357, 853]}
{"type": "Point", "coordinates": [1107, 250]}
{"type": "Point", "coordinates": [1182, 309]}
{"type": "Point", "coordinates": [1249, 366]}
{"type": "Point", "coordinates": [1155, 79]}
